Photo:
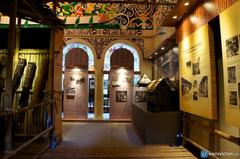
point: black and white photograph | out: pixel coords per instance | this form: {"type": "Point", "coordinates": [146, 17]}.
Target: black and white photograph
{"type": "Point", "coordinates": [186, 86]}
{"type": "Point", "coordinates": [188, 63]}
{"type": "Point", "coordinates": [195, 84]}
{"type": "Point", "coordinates": [196, 67]}
{"type": "Point", "coordinates": [203, 87]}
{"type": "Point", "coordinates": [121, 96]}
{"type": "Point", "coordinates": [70, 93]}
{"type": "Point", "coordinates": [72, 78]}
{"type": "Point", "coordinates": [195, 95]}
{"type": "Point", "coordinates": [140, 96]}
{"type": "Point", "coordinates": [80, 81]}
{"type": "Point", "coordinates": [233, 98]}
{"type": "Point", "coordinates": [232, 46]}
{"type": "Point", "coordinates": [231, 74]}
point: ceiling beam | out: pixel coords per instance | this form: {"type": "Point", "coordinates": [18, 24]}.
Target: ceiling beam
{"type": "Point", "coordinates": [142, 2]}
{"type": "Point", "coordinates": [29, 11]}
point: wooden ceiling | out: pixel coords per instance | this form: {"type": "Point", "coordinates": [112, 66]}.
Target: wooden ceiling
{"type": "Point", "coordinates": [179, 12]}
{"type": "Point", "coordinates": [33, 10]}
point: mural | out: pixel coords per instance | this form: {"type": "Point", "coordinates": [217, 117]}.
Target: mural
{"type": "Point", "coordinates": [124, 16]}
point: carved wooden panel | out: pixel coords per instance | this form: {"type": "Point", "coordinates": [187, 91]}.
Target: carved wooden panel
{"type": "Point", "coordinates": [76, 57]}
{"type": "Point", "coordinates": [122, 58]}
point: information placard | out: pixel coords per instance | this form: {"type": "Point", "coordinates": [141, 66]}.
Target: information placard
{"type": "Point", "coordinates": [197, 74]}
{"type": "Point", "coordinates": [230, 36]}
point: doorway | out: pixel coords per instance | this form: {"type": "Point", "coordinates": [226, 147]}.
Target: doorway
{"type": "Point", "coordinates": [91, 87]}
{"type": "Point", "coordinates": [76, 84]}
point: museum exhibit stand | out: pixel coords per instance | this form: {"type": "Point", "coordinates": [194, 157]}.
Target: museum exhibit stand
{"type": "Point", "coordinates": [157, 121]}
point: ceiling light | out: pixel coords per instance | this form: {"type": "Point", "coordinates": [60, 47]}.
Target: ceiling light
{"type": "Point", "coordinates": [186, 4]}
{"type": "Point", "coordinates": [174, 17]}
{"type": "Point", "coordinates": [162, 48]}
{"type": "Point", "coordinates": [155, 53]}
{"type": "Point", "coordinates": [150, 57]}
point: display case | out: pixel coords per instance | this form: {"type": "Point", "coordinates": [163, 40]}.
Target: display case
{"type": "Point", "coordinates": [162, 96]}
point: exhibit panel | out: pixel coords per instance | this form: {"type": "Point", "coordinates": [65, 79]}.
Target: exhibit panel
{"type": "Point", "coordinates": [121, 93]}
{"type": "Point", "coordinates": [121, 78]}
{"type": "Point", "coordinates": [76, 84]}
{"type": "Point", "coordinates": [230, 36]}
{"type": "Point", "coordinates": [75, 93]}
{"type": "Point", "coordinates": [197, 74]}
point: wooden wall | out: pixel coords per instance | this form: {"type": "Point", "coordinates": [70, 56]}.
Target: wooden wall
{"type": "Point", "coordinates": [201, 15]}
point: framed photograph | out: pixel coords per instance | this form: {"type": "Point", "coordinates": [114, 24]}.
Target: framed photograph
{"type": "Point", "coordinates": [186, 86]}
{"type": "Point", "coordinates": [203, 87]}
{"type": "Point", "coordinates": [196, 67]}
{"type": "Point", "coordinates": [231, 74]}
{"type": "Point", "coordinates": [233, 98]}
{"type": "Point", "coordinates": [232, 46]}
{"type": "Point", "coordinates": [70, 93]}
{"type": "Point", "coordinates": [140, 96]}
{"type": "Point", "coordinates": [121, 96]}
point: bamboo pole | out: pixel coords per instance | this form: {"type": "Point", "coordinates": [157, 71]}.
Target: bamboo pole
{"type": "Point", "coordinates": [228, 137]}
{"type": "Point", "coordinates": [24, 109]}
{"type": "Point", "coordinates": [27, 143]}
{"type": "Point", "coordinates": [198, 146]}
{"type": "Point", "coordinates": [9, 68]}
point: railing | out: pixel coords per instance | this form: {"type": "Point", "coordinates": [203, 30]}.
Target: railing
{"type": "Point", "coordinates": [29, 124]}
{"type": "Point", "coordinates": [211, 130]}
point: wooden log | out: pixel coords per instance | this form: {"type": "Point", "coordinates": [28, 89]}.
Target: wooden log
{"type": "Point", "coordinates": [27, 84]}
{"type": "Point", "coordinates": [9, 68]}
{"type": "Point", "coordinates": [18, 74]}
{"type": "Point", "coordinates": [228, 137]}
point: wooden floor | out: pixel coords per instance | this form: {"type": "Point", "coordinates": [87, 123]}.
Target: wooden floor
{"type": "Point", "coordinates": [105, 140]}
{"type": "Point", "coordinates": [144, 152]}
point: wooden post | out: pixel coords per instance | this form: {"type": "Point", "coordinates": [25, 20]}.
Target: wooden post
{"type": "Point", "coordinates": [57, 91]}
{"type": "Point", "coordinates": [9, 68]}
{"type": "Point", "coordinates": [98, 92]}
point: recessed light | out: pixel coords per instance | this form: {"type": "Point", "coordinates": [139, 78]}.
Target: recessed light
{"type": "Point", "coordinates": [150, 57]}
{"type": "Point", "coordinates": [162, 48]}
{"type": "Point", "coordinates": [155, 53]}
{"type": "Point", "coordinates": [186, 4]}
{"type": "Point", "coordinates": [174, 17]}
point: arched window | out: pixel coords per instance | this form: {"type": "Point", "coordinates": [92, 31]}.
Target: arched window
{"type": "Point", "coordinates": [85, 48]}
{"type": "Point", "coordinates": [118, 46]}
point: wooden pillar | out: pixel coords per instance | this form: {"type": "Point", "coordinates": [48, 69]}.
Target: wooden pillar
{"type": "Point", "coordinates": [98, 92]}
{"type": "Point", "coordinates": [17, 45]}
{"type": "Point", "coordinates": [9, 68]}
{"type": "Point", "coordinates": [57, 82]}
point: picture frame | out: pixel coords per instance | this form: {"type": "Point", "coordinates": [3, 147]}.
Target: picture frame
{"type": "Point", "coordinates": [121, 96]}
{"type": "Point", "coordinates": [140, 96]}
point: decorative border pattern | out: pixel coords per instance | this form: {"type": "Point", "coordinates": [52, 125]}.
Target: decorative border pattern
{"type": "Point", "coordinates": [126, 16]}
{"type": "Point", "coordinates": [100, 43]}
{"type": "Point", "coordinates": [109, 32]}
